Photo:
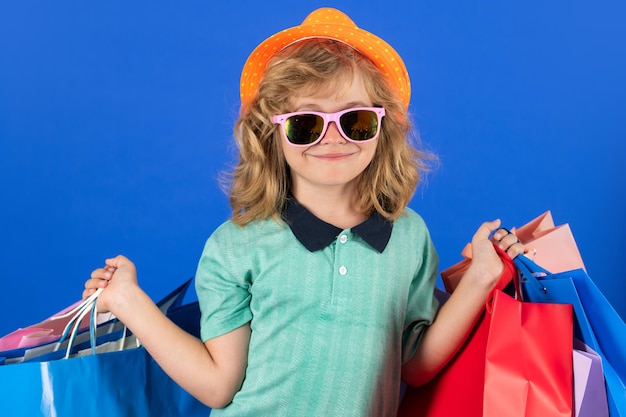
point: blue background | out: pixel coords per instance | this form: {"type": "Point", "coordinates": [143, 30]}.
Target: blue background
{"type": "Point", "coordinates": [116, 119]}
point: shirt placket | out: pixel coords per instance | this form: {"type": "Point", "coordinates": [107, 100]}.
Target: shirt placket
{"type": "Point", "coordinates": [341, 270]}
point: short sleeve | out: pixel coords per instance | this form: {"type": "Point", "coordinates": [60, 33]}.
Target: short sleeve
{"type": "Point", "coordinates": [422, 304]}
{"type": "Point", "coordinates": [222, 283]}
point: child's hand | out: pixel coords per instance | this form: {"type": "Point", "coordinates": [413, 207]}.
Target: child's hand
{"type": "Point", "coordinates": [486, 265]}
{"type": "Point", "coordinates": [117, 274]}
{"type": "Point", "coordinates": [508, 242]}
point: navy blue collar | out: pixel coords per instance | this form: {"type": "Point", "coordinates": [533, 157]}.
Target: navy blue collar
{"type": "Point", "coordinates": [316, 234]}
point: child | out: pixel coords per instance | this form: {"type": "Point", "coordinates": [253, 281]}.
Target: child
{"type": "Point", "coordinates": [318, 293]}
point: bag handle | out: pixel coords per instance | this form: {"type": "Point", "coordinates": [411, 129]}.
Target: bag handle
{"type": "Point", "coordinates": [519, 269]}
{"type": "Point", "coordinates": [509, 273]}
{"type": "Point", "coordinates": [529, 271]}
{"type": "Point", "coordinates": [77, 314]}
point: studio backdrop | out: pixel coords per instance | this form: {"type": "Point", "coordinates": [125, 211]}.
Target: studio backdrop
{"type": "Point", "coordinates": [116, 123]}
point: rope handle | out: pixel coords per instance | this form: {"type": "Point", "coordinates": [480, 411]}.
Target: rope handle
{"type": "Point", "coordinates": [77, 314]}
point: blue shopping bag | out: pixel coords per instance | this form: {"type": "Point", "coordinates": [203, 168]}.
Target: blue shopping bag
{"type": "Point", "coordinates": [124, 383]}
{"type": "Point", "coordinates": [596, 323]}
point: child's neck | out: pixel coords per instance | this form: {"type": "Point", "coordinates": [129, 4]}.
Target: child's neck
{"type": "Point", "coordinates": [335, 206]}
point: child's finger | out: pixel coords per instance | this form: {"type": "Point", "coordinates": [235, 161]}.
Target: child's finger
{"type": "Point", "coordinates": [500, 234]}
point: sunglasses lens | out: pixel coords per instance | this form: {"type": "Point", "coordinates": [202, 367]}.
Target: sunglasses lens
{"type": "Point", "coordinates": [303, 129]}
{"type": "Point", "coordinates": [359, 124]}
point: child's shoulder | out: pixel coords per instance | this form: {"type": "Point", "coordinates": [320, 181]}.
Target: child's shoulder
{"type": "Point", "coordinates": [409, 230]}
{"type": "Point", "coordinates": [412, 216]}
{"type": "Point", "coordinates": [231, 231]}
{"type": "Point", "coordinates": [411, 223]}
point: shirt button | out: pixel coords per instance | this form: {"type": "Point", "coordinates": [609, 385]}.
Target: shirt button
{"type": "Point", "coordinates": [343, 238]}
{"type": "Point", "coordinates": [343, 270]}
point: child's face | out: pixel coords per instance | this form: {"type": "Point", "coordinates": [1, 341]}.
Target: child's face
{"type": "Point", "coordinates": [334, 161]}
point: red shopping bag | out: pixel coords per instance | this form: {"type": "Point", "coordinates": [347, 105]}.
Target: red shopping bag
{"type": "Point", "coordinates": [528, 366]}
{"type": "Point", "coordinates": [516, 362]}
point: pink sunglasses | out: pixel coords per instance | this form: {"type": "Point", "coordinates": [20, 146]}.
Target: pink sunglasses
{"type": "Point", "coordinates": [359, 124]}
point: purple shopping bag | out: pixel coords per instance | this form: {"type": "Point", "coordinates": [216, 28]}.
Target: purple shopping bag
{"type": "Point", "coordinates": [589, 388]}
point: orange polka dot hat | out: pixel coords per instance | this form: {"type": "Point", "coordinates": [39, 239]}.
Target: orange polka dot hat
{"type": "Point", "coordinates": [327, 23]}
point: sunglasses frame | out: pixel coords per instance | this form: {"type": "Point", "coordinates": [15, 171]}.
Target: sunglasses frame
{"type": "Point", "coordinates": [281, 119]}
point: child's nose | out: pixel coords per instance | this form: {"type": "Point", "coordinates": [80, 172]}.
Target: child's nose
{"type": "Point", "coordinates": [332, 134]}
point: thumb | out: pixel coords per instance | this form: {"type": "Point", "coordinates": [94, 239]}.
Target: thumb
{"type": "Point", "coordinates": [119, 261]}
{"type": "Point", "coordinates": [485, 229]}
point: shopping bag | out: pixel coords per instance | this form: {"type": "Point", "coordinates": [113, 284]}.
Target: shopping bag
{"type": "Point", "coordinates": [596, 323]}
{"type": "Point", "coordinates": [120, 383]}
{"type": "Point", "coordinates": [528, 365]}
{"type": "Point", "coordinates": [125, 383]}
{"type": "Point", "coordinates": [552, 246]}
{"type": "Point", "coordinates": [53, 345]}
{"type": "Point", "coordinates": [589, 390]}
{"type": "Point", "coordinates": [517, 361]}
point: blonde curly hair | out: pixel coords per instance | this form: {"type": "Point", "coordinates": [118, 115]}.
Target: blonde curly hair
{"type": "Point", "coordinates": [259, 184]}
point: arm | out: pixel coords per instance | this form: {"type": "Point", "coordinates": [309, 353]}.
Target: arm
{"type": "Point", "coordinates": [212, 372]}
{"type": "Point", "coordinates": [457, 316]}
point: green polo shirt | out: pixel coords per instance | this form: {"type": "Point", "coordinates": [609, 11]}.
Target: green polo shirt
{"type": "Point", "coordinates": [334, 313]}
